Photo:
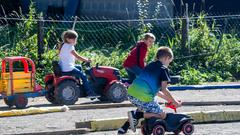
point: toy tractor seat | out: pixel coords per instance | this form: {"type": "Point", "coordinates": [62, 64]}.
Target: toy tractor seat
{"type": "Point", "coordinates": [56, 69]}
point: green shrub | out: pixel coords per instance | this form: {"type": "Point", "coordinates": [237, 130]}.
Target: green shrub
{"type": "Point", "coordinates": [211, 57]}
{"type": "Point", "coordinates": [192, 76]}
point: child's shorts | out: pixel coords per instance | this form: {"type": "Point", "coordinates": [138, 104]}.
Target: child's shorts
{"type": "Point", "coordinates": [149, 107]}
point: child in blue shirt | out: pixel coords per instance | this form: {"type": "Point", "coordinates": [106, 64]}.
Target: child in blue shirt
{"type": "Point", "coordinates": [152, 81]}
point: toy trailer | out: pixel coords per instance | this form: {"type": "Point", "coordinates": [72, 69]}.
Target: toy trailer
{"type": "Point", "coordinates": [16, 84]}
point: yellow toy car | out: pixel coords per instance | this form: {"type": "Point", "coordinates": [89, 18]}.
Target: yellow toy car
{"type": "Point", "coordinates": [17, 84]}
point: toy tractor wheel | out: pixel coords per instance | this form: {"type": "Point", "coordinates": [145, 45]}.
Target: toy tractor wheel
{"type": "Point", "coordinates": [50, 93]}
{"type": "Point", "coordinates": [188, 128]}
{"type": "Point", "coordinates": [143, 128]}
{"type": "Point", "coordinates": [9, 102]}
{"type": "Point", "coordinates": [20, 101]}
{"type": "Point", "coordinates": [117, 92]}
{"type": "Point", "coordinates": [67, 92]}
{"type": "Point", "coordinates": [158, 130]}
{"type": "Point", "coordinates": [177, 132]}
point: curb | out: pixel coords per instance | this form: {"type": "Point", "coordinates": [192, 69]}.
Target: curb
{"type": "Point", "coordinates": [117, 105]}
{"type": "Point", "coordinates": [197, 87]}
{"type": "Point", "coordinates": [215, 116]}
{"type": "Point", "coordinates": [204, 87]}
{"type": "Point", "coordinates": [208, 103]}
{"type": "Point", "coordinates": [40, 110]}
{"type": "Point", "coordinates": [199, 117]}
{"type": "Point", "coordinates": [100, 106]}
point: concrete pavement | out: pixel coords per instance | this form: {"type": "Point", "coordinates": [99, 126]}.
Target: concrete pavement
{"type": "Point", "coordinates": [58, 123]}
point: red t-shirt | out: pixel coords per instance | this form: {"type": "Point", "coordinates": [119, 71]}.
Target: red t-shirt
{"type": "Point", "coordinates": [132, 59]}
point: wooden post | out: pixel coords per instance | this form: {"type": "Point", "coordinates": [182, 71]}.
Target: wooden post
{"type": "Point", "coordinates": [40, 41]}
{"type": "Point", "coordinates": [203, 5]}
{"type": "Point", "coordinates": [185, 35]}
{"type": "Point", "coordinates": [181, 8]}
{"type": "Point", "coordinates": [74, 23]}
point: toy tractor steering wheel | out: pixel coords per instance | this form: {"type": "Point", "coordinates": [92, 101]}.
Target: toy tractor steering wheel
{"type": "Point", "coordinates": [86, 64]}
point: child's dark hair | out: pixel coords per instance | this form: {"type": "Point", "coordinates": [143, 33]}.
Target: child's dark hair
{"type": "Point", "coordinates": [69, 34]}
{"type": "Point", "coordinates": [164, 51]}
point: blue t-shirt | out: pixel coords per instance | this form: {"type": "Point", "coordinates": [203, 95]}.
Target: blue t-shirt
{"type": "Point", "coordinates": [148, 83]}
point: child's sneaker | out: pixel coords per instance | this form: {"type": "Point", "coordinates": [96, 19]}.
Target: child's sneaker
{"type": "Point", "coordinates": [133, 121]}
{"type": "Point", "coordinates": [121, 131]}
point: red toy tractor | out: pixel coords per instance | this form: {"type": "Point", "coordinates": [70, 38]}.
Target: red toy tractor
{"type": "Point", "coordinates": [66, 89]}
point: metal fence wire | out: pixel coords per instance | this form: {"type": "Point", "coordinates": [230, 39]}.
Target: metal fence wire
{"type": "Point", "coordinates": [103, 32]}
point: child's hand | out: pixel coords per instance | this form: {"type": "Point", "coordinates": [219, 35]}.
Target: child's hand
{"type": "Point", "coordinates": [177, 103]}
{"type": "Point", "coordinates": [89, 60]}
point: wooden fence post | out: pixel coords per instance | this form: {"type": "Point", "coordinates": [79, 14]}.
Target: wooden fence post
{"type": "Point", "coordinates": [185, 45]}
{"type": "Point", "coordinates": [74, 23]}
{"type": "Point", "coordinates": [40, 41]}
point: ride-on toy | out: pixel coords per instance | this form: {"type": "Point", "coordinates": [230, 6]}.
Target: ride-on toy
{"type": "Point", "coordinates": [174, 122]}
{"type": "Point", "coordinates": [17, 84]}
{"type": "Point", "coordinates": [64, 88]}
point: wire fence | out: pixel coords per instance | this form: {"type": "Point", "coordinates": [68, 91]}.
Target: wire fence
{"type": "Point", "coordinates": [102, 32]}
{"type": "Point", "coordinates": [212, 42]}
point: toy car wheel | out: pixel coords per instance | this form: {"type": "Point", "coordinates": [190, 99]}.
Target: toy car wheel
{"type": "Point", "coordinates": [67, 92]}
{"type": "Point", "coordinates": [188, 128]}
{"type": "Point", "coordinates": [117, 92]}
{"type": "Point", "coordinates": [176, 132]}
{"type": "Point", "coordinates": [143, 130]}
{"type": "Point", "coordinates": [9, 102]}
{"type": "Point", "coordinates": [158, 130]}
{"type": "Point", "coordinates": [20, 101]}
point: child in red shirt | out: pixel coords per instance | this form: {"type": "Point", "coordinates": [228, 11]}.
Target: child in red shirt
{"type": "Point", "coordinates": [135, 62]}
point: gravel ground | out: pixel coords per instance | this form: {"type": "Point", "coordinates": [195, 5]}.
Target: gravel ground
{"type": "Point", "coordinates": [187, 96]}
{"type": "Point", "coordinates": [202, 129]}
{"type": "Point", "coordinates": [66, 120]}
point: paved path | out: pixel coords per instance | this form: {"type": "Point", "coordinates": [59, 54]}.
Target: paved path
{"type": "Point", "coordinates": [202, 129]}
{"type": "Point", "coordinates": [187, 95]}
{"type": "Point", "coordinates": [66, 120]}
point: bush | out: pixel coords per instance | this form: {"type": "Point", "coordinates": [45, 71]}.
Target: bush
{"type": "Point", "coordinates": [211, 56]}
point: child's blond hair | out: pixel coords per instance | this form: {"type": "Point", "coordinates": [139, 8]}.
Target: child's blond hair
{"type": "Point", "coordinates": [149, 35]}
{"type": "Point", "coordinates": [68, 34]}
